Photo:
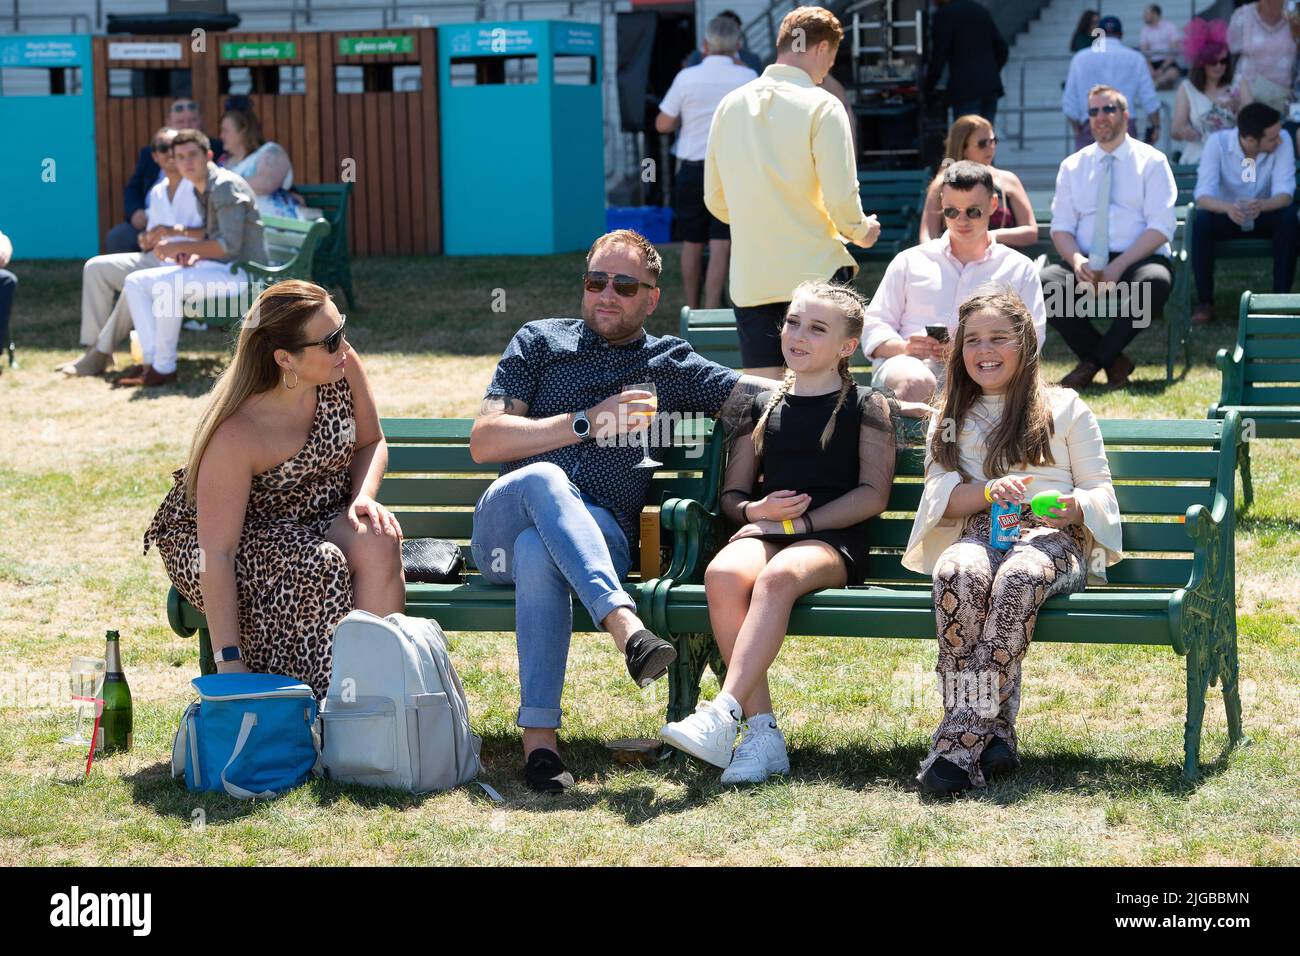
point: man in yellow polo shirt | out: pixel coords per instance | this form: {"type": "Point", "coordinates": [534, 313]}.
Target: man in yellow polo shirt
{"type": "Point", "coordinates": [788, 204]}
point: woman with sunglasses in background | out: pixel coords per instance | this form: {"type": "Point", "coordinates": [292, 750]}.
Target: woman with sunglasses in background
{"type": "Point", "coordinates": [271, 528]}
{"type": "Point", "coordinates": [1208, 100]}
{"type": "Point", "coordinates": [1012, 222]}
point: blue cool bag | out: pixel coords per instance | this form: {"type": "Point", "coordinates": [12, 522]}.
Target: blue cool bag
{"type": "Point", "coordinates": [248, 735]}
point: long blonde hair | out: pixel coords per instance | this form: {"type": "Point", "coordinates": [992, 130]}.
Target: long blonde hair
{"type": "Point", "coordinates": [274, 322]}
{"type": "Point", "coordinates": [853, 309]}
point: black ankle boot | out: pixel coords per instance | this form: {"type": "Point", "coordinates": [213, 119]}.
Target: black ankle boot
{"type": "Point", "coordinates": [998, 759]}
{"type": "Point", "coordinates": [944, 779]}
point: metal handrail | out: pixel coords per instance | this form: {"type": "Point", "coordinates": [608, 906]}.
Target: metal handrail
{"type": "Point", "coordinates": [73, 19]}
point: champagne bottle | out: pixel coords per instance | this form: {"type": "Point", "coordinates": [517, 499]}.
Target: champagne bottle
{"type": "Point", "coordinates": [115, 722]}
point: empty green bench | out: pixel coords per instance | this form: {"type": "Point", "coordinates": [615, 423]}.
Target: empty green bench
{"type": "Point", "coordinates": [1175, 586]}
{"type": "Point", "coordinates": [432, 485]}
{"type": "Point", "coordinates": [1260, 376]}
{"type": "Point", "coordinates": [896, 197]}
{"type": "Point", "coordinates": [332, 263]}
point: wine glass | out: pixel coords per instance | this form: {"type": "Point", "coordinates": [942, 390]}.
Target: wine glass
{"type": "Point", "coordinates": [653, 401]}
{"type": "Point", "coordinates": [86, 682]}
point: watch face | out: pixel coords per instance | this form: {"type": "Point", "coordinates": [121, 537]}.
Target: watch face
{"type": "Point", "coordinates": [581, 426]}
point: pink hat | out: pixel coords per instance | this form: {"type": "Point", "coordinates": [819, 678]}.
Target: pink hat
{"type": "Point", "coordinates": [1205, 41]}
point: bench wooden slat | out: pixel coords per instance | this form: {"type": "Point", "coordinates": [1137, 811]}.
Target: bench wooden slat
{"type": "Point", "coordinates": [1165, 536]}
{"type": "Point", "coordinates": [1262, 395]}
{"type": "Point", "coordinates": [1259, 348]}
{"type": "Point", "coordinates": [1273, 372]}
{"type": "Point", "coordinates": [444, 491]}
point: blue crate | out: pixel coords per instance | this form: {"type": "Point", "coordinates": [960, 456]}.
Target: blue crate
{"type": "Point", "coordinates": [653, 222]}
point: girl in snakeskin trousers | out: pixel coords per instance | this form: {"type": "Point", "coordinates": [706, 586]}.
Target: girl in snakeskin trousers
{"type": "Point", "coordinates": [1001, 435]}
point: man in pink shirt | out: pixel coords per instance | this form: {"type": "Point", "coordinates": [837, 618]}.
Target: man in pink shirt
{"type": "Point", "coordinates": [1158, 41]}
{"type": "Point", "coordinates": [914, 311]}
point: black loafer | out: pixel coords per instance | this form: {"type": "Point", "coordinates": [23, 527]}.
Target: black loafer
{"type": "Point", "coordinates": [545, 772]}
{"type": "Point", "coordinates": [998, 759]}
{"type": "Point", "coordinates": [944, 779]}
{"type": "Point", "coordinates": [648, 657]}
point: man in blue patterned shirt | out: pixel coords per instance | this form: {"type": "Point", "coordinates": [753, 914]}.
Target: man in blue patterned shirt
{"type": "Point", "coordinates": [563, 516]}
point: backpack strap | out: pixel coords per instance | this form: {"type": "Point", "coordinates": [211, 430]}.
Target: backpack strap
{"type": "Point", "coordinates": [245, 728]}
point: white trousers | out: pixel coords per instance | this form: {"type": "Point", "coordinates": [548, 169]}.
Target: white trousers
{"type": "Point", "coordinates": [104, 325]}
{"type": "Point", "coordinates": [158, 297]}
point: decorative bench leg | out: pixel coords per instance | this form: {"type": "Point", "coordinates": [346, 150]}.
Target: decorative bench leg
{"type": "Point", "coordinates": [206, 664]}
{"type": "Point", "coordinates": [1247, 487]}
{"type": "Point", "coordinates": [1198, 684]}
{"type": "Point", "coordinates": [694, 653]}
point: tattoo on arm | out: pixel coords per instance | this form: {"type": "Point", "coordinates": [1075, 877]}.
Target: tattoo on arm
{"type": "Point", "coordinates": [502, 404]}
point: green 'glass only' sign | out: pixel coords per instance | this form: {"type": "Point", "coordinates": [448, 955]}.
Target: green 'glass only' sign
{"type": "Point", "coordinates": [352, 46]}
{"type": "Point", "coordinates": [259, 51]}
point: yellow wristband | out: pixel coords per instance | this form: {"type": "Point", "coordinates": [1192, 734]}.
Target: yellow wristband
{"type": "Point", "coordinates": [788, 525]}
{"type": "Point", "coordinates": [987, 496]}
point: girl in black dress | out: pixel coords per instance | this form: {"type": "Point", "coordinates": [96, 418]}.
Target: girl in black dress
{"type": "Point", "coordinates": [815, 462]}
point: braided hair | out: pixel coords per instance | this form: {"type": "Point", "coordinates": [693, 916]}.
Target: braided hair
{"type": "Point", "coordinates": [853, 309]}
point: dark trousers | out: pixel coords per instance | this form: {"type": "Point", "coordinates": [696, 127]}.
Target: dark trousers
{"type": "Point", "coordinates": [1086, 342]}
{"type": "Point", "coordinates": [1280, 225]}
{"type": "Point", "coordinates": [985, 106]}
{"type": "Point", "coordinates": [8, 282]}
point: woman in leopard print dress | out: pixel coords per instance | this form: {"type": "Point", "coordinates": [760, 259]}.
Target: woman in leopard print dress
{"type": "Point", "coordinates": [272, 529]}
{"type": "Point", "coordinates": [1001, 436]}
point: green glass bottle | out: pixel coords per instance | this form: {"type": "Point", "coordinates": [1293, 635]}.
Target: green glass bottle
{"type": "Point", "coordinates": [115, 723]}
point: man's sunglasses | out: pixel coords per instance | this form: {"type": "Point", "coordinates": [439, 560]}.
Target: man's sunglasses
{"type": "Point", "coordinates": [986, 141]}
{"type": "Point", "coordinates": [162, 148]}
{"type": "Point", "coordinates": [625, 285]}
{"type": "Point", "coordinates": [184, 105]}
{"type": "Point", "coordinates": [1108, 109]}
{"type": "Point", "coordinates": [972, 212]}
{"type": "Point", "coordinates": [331, 342]}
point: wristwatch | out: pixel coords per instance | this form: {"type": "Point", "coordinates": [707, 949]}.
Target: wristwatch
{"type": "Point", "coordinates": [581, 425]}
{"type": "Point", "coordinates": [224, 655]}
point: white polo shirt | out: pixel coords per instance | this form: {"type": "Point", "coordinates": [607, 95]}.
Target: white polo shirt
{"type": "Point", "coordinates": [694, 94]}
{"type": "Point", "coordinates": [1142, 195]}
{"type": "Point", "coordinates": [181, 209]}
{"type": "Point", "coordinates": [925, 285]}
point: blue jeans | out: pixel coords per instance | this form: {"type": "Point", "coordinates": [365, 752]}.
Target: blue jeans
{"type": "Point", "coordinates": [534, 529]}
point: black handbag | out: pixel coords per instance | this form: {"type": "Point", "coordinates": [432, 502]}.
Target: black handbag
{"type": "Point", "coordinates": [432, 560]}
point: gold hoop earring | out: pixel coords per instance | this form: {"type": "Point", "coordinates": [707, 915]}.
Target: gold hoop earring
{"type": "Point", "coordinates": [285, 378]}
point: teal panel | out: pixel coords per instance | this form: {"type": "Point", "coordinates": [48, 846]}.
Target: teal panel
{"type": "Point", "coordinates": [49, 205]}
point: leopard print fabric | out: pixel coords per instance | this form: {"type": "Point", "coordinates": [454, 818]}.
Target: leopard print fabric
{"type": "Point", "coordinates": [986, 603]}
{"type": "Point", "coordinates": [292, 585]}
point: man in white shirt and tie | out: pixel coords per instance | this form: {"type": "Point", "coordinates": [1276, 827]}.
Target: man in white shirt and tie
{"type": "Point", "coordinates": [173, 212]}
{"type": "Point", "coordinates": [1244, 187]}
{"type": "Point", "coordinates": [924, 286]}
{"type": "Point", "coordinates": [1112, 221]}
{"type": "Point", "coordinates": [688, 105]}
{"type": "Point", "coordinates": [1109, 62]}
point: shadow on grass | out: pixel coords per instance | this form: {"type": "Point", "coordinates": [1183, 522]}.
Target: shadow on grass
{"type": "Point", "coordinates": [195, 379]}
{"type": "Point", "coordinates": [1266, 525]}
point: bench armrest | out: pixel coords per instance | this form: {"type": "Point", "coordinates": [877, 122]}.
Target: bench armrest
{"type": "Point", "coordinates": [175, 616]}
{"type": "Point", "coordinates": [695, 532]}
{"type": "Point", "coordinates": [1232, 378]}
{"type": "Point", "coordinates": [273, 273]}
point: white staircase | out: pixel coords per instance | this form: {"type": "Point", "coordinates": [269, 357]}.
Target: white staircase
{"type": "Point", "coordinates": [1034, 77]}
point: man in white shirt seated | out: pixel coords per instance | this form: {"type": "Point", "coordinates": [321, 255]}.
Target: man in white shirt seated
{"type": "Point", "coordinates": [1233, 205]}
{"type": "Point", "coordinates": [173, 213]}
{"type": "Point", "coordinates": [688, 105]}
{"type": "Point", "coordinates": [1108, 61]}
{"type": "Point", "coordinates": [924, 285]}
{"type": "Point", "coordinates": [1112, 220]}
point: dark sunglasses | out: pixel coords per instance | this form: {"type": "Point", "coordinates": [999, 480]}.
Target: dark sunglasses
{"type": "Point", "coordinates": [163, 148]}
{"type": "Point", "coordinates": [1223, 62]}
{"type": "Point", "coordinates": [181, 107]}
{"type": "Point", "coordinates": [625, 285]}
{"type": "Point", "coordinates": [1107, 109]}
{"type": "Point", "coordinates": [332, 341]}
{"type": "Point", "coordinates": [984, 143]}
{"type": "Point", "coordinates": [972, 212]}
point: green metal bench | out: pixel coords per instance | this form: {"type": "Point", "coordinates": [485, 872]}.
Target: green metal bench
{"type": "Point", "coordinates": [1174, 587]}
{"type": "Point", "coordinates": [432, 485]}
{"type": "Point", "coordinates": [896, 197]}
{"type": "Point", "coordinates": [1261, 375]}
{"type": "Point", "coordinates": [712, 333]}
{"type": "Point", "coordinates": [290, 246]}
{"type": "Point", "coordinates": [332, 264]}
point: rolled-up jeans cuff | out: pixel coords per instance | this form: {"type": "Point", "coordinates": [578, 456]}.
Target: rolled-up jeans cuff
{"type": "Point", "coordinates": [606, 603]}
{"type": "Point", "coordinates": [540, 718]}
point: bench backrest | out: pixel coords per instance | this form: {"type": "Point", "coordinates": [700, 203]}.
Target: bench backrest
{"type": "Point", "coordinates": [1185, 180]}
{"type": "Point", "coordinates": [896, 197]}
{"type": "Point", "coordinates": [332, 200]}
{"type": "Point", "coordinates": [712, 333]}
{"type": "Point", "coordinates": [288, 240]}
{"type": "Point", "coordinates": [432, 484]}
{"type": "Point", "coordinates": [1159, 469]}
{"type": "Point", "coordinates": [1268, 333]}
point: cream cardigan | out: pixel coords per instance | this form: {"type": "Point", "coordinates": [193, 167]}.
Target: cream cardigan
{"type": "Point", "coordinates": [1080, 468]}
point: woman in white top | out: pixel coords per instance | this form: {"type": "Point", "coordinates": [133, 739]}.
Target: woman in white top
{"type": "Point", "coordinates": [264, 165]}
{"type": "Point", "coordinates": [1002, 435]}
{"type": "Point", "coordinates": [1262, 34]}
{"type": "Point", "coordinates": [1208, 100]}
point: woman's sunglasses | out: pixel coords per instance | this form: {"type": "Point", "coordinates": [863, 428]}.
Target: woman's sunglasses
{"type": "Point", "coordinates": [991, 140]}
{"type": "Point", "coordinates": [184, 105]}
{"type": "Point", "coordinates": [625, 285]}
{"type": "Point", "coordinates": [972, 212]}
{"type": "Point", "coordinates": [1108, 109]}
{"type": "Point", "coordinates": [332, 341]}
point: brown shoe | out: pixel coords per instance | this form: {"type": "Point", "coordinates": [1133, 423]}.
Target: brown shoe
{"type": "Point", "coordinates": [132, 371]}
{"type": "Point", "coordinates": [1081, 375]}
{"type": "Point", "coordinates": [1118, 371]}
{"type": "Point", "coordinates": [1203, 314]}
{"type": "Point", "coordinates": [133, 378]}
{"type": "Point", "coordinates": [153, 379]}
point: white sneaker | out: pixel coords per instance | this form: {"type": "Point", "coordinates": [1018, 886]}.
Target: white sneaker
{"type": "Point", "coordinates": [760, 754]}
{"type": "Point", "coordinates": [708, 734]}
